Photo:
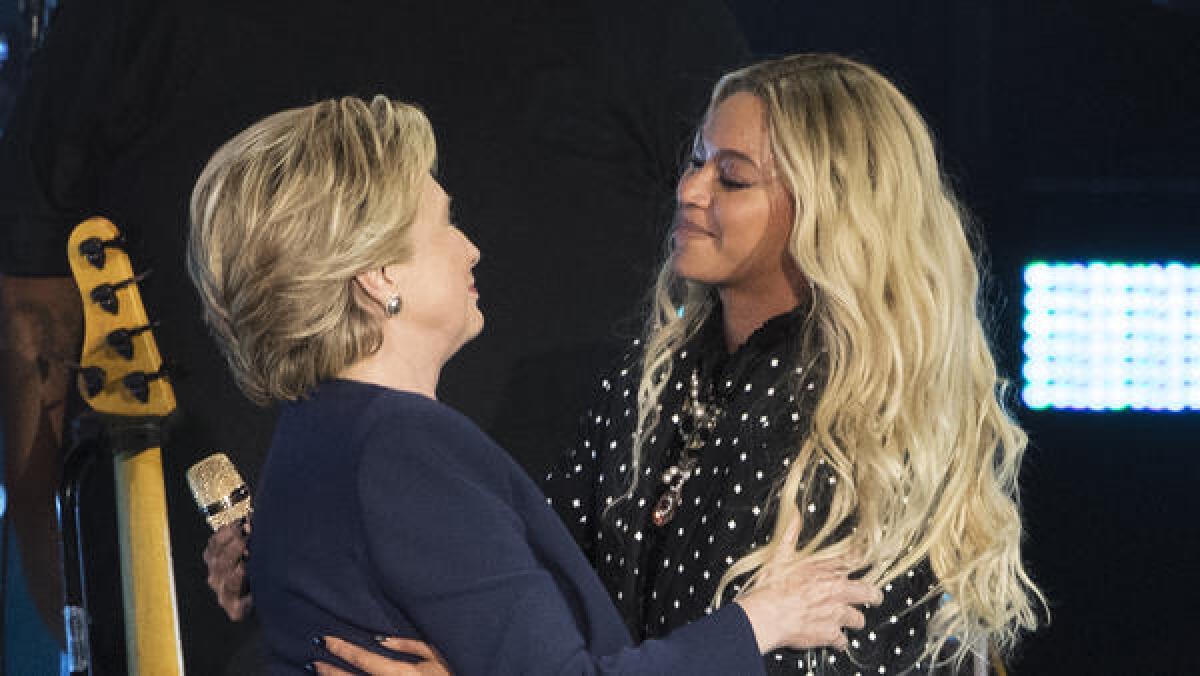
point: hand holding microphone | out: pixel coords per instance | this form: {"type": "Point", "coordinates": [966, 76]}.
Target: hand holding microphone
{"type": "Point", "coordinates": [222, 496]}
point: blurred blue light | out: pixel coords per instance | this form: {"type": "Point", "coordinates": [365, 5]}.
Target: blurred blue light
{"type": "Point", "coordinates": [1112, 336]}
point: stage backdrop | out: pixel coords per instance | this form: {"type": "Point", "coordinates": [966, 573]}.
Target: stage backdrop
{"type": "Point", "coordinates": [1072, 131]}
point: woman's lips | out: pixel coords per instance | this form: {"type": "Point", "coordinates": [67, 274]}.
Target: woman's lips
{"type": "Point", "coordinates": [686, 228]}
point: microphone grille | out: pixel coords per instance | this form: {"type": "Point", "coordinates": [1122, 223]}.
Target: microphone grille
{"type": "Point", "coordinates": [219, 490]}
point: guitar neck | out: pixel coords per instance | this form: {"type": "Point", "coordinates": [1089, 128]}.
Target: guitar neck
{"type": "Point", "coordinates": [147, 579]}
{"type": "Point", "coordinates": [122, 379]}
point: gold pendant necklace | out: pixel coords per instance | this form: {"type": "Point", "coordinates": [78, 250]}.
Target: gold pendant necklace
{"type": "Point", "coordinates": [703, 418]}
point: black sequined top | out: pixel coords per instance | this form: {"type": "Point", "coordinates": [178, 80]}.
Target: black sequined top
{"type": "Point", "coordinates": [664, 577]}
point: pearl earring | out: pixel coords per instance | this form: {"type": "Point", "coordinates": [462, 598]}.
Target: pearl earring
{"type": "Point", "coordinates": [392, 308]}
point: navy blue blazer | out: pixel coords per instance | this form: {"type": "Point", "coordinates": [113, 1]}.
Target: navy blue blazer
{"type": "Point", "coordinates": [385, 512]}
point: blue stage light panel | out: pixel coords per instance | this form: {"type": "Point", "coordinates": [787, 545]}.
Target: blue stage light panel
{"type": "Point", "coordinates": [1112, 336]}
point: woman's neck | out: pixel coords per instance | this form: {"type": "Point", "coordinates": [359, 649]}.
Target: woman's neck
{"type": "Point", "coordinates": [744, 310]}
{"type": "Point", "coordinates": [412, 369]}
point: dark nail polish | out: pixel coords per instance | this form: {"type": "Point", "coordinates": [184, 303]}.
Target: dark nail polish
{"type": "Point", "coordinates": [318, 642]}
{"type": "Point", "coordinates": [379, 638]}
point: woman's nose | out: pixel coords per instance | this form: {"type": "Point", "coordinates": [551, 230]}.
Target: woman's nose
{"type": "Point", "coordinates": [473, 253]}
{"type": "Point", "coordinates": [693, 187]}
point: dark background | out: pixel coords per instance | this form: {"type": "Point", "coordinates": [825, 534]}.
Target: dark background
{"type": "Point", "coordinates": [1072, 131]}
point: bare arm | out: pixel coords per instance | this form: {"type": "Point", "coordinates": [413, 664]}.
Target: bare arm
{"type": "Point", "coordinates": [41, 327]}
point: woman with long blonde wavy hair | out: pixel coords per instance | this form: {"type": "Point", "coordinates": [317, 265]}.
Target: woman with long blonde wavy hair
{"type": "Point", "coordinates": [814, 377]}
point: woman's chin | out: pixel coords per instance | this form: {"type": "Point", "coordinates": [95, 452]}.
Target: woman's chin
{"type": "Point", "coordinates": [476, 326]}
{"type": "Point", "coordinates": [693, 268]}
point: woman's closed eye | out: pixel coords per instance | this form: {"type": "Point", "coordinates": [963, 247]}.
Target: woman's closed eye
{"type": "Point", "coordinates": [731, 183]}
{"type": "Point", "coordinates": [727, 181]}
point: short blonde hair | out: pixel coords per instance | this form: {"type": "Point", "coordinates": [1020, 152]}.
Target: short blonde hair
{"type": "Point", "coordinates": [283, 218]}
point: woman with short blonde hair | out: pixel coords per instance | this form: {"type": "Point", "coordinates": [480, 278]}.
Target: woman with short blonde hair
{"type": "Point", "coordinates": [285, 216]}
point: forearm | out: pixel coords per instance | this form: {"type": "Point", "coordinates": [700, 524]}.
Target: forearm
{"type": "Point", "coordinates": [40, 332]}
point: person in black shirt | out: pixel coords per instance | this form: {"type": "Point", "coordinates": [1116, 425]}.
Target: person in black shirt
{"type": "Point", "coordinates": [563, 124]}
{"type": "Point", "coordinates": [813, 356]}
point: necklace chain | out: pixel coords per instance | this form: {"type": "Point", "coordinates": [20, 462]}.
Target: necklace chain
{"type": "Point", "coordinates": [697, 420]}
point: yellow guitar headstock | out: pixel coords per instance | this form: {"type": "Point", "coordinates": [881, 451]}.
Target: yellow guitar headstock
{"type": "Point", "coordinates": [121, 370]}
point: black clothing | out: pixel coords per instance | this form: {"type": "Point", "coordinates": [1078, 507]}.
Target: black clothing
{"type": "Point", "coordinates": [423, 527]}
{"type": "Point", "coordinates": [664, 577]}
{"type": "Point", "coordinates": [560, 128]}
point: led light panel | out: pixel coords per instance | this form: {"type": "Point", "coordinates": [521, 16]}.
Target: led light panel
{"type": "Point", "coordinates": [1111, 336]}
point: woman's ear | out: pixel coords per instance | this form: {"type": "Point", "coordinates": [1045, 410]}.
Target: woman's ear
{"type": "Point", "coordinates": [376, 283]}
{"type": "Point", "coordinates": [382, 285]}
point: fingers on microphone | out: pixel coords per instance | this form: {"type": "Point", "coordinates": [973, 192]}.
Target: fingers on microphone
{"type": "Point", "coordinates": [234, 583]}
{"type": "Point", "coordinates": [216, 542]}
{"type": "Point", "coordinates": [226, 543]}
{"type": "Point", "coordinates": [233, 608]}
{"type": "Point", "coordinates": [226, 534]}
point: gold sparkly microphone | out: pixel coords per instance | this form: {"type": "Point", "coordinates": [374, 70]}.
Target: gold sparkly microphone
{"type": "Point", "coordinates": [219, 491]}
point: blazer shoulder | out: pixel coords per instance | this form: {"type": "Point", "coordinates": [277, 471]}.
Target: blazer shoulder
{"type": "Point", "coordinates": [412, 428]}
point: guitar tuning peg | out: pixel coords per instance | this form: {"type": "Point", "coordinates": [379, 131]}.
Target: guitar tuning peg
{"type": "Point", "coordinates": [93, 379]}
{"type": "Point", "coordinates": [105, 295]}
{"type": "Point", "coordinates": [138, 383]}
{"type": "Point", "coordinates": [92, 249]}
{"type": "Point", "coordinates": [121, 340]}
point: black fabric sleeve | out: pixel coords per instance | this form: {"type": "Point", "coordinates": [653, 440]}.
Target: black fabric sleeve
{"type": "Point", "coordinates": [570, 486]}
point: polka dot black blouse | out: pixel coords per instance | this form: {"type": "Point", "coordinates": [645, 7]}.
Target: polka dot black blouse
{"type": "Point", "coordinates": [702, 500]}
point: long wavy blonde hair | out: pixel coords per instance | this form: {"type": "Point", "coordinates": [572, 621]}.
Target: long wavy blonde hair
{"type": "Point", "coordinates": [910, 418]}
